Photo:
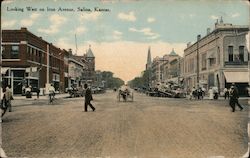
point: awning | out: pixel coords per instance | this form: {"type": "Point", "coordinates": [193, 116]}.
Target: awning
{"type": "Point", "coordinates": [238, 77]}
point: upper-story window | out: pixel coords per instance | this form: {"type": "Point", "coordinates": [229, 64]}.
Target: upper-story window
{"type": "Point", "coordinates": [241, 53]}
{"type": "Point", "coordinates": [212, 62]}
{"type": "Point", "coordinates": [4, 55]}
{"type": "Point", "coordinates": [14, 52]}
{"type": "Point", "coordinates": [204, 62]}
{"type": "Point", "coordinates": [218, 55]}
{"type": "Point", "coordinates": [230, 53]}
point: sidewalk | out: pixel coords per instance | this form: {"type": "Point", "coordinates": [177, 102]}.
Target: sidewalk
{"type": "Point", "coordinates": [59, 95]}
{"type": "Point", "coordinates": [222, 98]}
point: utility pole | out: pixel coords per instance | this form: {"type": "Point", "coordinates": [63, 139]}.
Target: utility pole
{"type": "Point", "coordinates": [198, 62]}
{"type": "Point", "coordinates": [76, 43]}
{"type": "Point", "coordinates": [47, 76]}
{"type": "Point", "coordinates": [47, 64]}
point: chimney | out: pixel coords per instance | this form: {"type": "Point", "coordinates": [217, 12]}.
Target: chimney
{"type": "Point", "coordinates": [198, 37]}
{"type": "Point", "coordinates": [208, 31]}
{"type": "Point", "coordinates": [23, 28]}
{"type": "Point", "coordinates": [70, 51]}
{"type": "Point", "coordinates": [221, 20]}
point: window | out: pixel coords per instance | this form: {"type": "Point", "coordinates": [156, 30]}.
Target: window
{"type": "Point", "coordinates": [204, 61]}
{"type": "Point", "coordinates": [212, 62]}
{"type": "Point", "coordinates": [28, 52]}
{"type": "Point", "coordinates": [39, 56]}
{"type": "Point", "coordinates": [241, 53]}
{"type": "Point", "coordinates": [218, 55]}
{"type": "Point", "coordinates": [230, 53]}
{"type": "Point", "coordinates": [30, 57]}
{"type": "Point", "coordinates": [4, 55]}
{"type": "Point", "coordinates": [14, 52]}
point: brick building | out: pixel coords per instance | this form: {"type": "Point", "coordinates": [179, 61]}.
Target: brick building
{"type": "Point", "coordinates": [30, 60]}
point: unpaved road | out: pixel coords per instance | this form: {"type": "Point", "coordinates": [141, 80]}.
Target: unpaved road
{"type": "Point", "coordinates": [148, 127]}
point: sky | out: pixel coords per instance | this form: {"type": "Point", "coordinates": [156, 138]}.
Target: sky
{"type": "Point", "coordinates": [121, 33]}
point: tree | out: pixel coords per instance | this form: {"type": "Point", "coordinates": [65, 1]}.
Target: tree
{"type": "Point", "coordinates": [142, 81]}
{"type": "Point", "coordinates": [110, 81]}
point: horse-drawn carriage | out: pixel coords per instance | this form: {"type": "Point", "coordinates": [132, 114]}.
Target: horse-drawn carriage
{"type": "Point", "coordinates": [126, 94]}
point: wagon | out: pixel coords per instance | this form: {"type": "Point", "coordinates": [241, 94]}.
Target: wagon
{"type": "Point", "coordinates": [125, 95]}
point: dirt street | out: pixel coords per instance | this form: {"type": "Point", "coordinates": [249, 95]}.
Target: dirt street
{"type": "Point", "coordinates": [148, 127]}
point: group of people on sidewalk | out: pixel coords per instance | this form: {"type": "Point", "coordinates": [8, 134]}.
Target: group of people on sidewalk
{"type": "Point", "coordinates": [213, 93]}
{"type": "Point", "coordinates": [198, 93]}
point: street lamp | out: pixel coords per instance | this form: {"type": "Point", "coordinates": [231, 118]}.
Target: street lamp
{"type": "Point", "coordinates": [198, 62]}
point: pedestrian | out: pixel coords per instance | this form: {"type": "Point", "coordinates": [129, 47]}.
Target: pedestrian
{"type": "Point", "coordinates": [226, 93]}
{"type": "Point", "coordinates": [8, 97]}
{"type": "Point", "coordinates": [211, 93]}
{"type": "Point", "coordinates": [193, 93]}
{"type": "Point", "coordinates": [199, 91]}
{"type": "Point", "coordinates": [88, 98]}
{"type": "Point", "coordinates": [203, 92]}
{"type": "Point", "coordinates": [234, 96]}
{"type": "Point", "coordinates": [37, 92]}
{"type": "Point", "coordinates": [51, 93]}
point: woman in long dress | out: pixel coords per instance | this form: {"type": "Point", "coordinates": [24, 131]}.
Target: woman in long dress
{"type": "Point", "coordinates": [211, 94]}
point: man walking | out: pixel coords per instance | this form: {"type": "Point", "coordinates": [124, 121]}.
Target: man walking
{"type": "Point", "coordinates": [234, 96]}
{"type": "Point", "coordinates": [88, 98]}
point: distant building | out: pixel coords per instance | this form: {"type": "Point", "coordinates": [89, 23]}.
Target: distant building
{"type": "Point", "coordinates": [166, 68]}
{"type": "Point", "coordinates": [171, 68]}
{"type": "Point", "coordinates": [76, 70]}
{"type": "Point", "coordinates": [82, 68]}
{"type": "Point", "coordinates": [157, 70]}
{"type": "Point", "coordinates": [222, 59]}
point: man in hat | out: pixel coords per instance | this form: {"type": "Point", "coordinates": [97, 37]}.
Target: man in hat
{"type": "Point", "coordinates": [234, 98]}
{"type": "Point", "coordinates": [88, 98]}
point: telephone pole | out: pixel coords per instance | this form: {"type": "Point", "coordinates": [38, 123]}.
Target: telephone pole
{"type": "Point", "coordinates": [198, 62]}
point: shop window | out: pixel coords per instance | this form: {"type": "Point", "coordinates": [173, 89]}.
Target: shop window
{"type": "Point", "coordinates": [14, 52]}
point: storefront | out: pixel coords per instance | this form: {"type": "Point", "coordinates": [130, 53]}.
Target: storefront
{"type": "Point", "coordinates": [240, 79]}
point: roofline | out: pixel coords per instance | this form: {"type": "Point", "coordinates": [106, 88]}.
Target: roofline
{"type": "Point", "coordinates": [219, 29]}
{"type": "Point", "coordinates": [24, 29]}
